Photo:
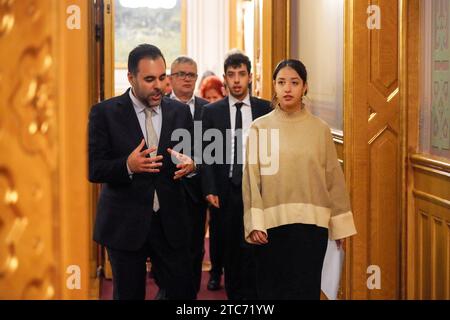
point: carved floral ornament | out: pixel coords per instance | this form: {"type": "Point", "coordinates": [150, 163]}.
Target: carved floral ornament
{"type": "Point", "coordinates": [6, 17]}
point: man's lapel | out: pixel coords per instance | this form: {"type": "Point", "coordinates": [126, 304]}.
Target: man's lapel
{"type": "Point", "coordinates": [166, 114]}
{"type": "Point", "coordinates": [226, 112]}
{"type": "Point", "coordinates": [131, 118]}
{"type": "Point", "coordinates": [255, 110]}
{"type": "Point", "coordinates": [197, 111]}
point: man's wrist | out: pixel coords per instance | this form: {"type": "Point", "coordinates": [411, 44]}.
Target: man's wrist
{"type": "Point", "coordinates": [130, 173]}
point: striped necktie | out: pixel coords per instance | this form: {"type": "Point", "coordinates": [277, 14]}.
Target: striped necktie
{"type": "Point", "coordinates": [152, 140]}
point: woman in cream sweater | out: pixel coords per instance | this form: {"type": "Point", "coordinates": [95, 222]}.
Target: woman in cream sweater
{"type": "Point", "coordinates": [294, 192]}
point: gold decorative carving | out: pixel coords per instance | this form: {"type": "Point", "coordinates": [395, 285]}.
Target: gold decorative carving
{"type": "Point", "coordinates": [372, 114]}
{"type": "Point", "coordinates": [6, 17]}
{"type": "Point", "coordinates": [28, 162]}
{"type": "Point", "coordinates": [32, 101]}
{"type": "Point", "coordinates": [11, 224]}
{"type": "Point", "coordinates": [40, 287]}
{"type": "Point", "coordinates": [45, 98]}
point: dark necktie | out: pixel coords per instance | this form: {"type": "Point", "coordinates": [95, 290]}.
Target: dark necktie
{"type": "Point", "coordinates": [236, 177]}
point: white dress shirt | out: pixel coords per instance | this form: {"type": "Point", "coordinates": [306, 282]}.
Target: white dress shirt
{"type": "Point", "coordinates": [139, 108]}
{"type": "Point", "coordinates": [190, 103]}
{"type": "Point", "coordinates": [247, 120]}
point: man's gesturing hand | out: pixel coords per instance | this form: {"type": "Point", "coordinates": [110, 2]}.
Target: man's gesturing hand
{"type": "Point", "coordinates": [186, 164]}
{"type": "Point", "coordinates": [139, 163]}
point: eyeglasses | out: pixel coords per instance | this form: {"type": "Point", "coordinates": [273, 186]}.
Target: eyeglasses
{"type": "Point", "coordinates": [183, 75]}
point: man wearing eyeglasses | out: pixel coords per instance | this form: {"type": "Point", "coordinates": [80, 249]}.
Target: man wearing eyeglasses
{"type": "Point", "coordinates": [183, 76]}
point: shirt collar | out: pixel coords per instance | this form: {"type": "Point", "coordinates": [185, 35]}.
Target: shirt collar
{"type": "Point", "coordinates": [246, 100]}
{"type": "Point", "coordinates": [139, 106]}
{"type": "Point", "coordinates": [191, 100]}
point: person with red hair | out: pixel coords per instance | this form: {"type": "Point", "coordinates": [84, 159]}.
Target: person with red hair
{"type": "Point", "coordinates": [212, 89]}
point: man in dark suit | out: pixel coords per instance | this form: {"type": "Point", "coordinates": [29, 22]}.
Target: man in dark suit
{"type": "Point", "coordinates": [142, 209]}
{"type": "Point", "coordinates": [183, 76]}
{"type": "Point", "coordinates": [222, 180]}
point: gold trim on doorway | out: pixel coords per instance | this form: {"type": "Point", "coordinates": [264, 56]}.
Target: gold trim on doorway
{"type": "Point", "coordinates": [372, 114]}
{"type": "Point", "coordinates": [393, 94]}
{"type": "Point", "coordinates": [385, 128]}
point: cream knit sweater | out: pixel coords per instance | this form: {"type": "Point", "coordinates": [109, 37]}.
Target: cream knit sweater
{"type": "Point", "coordinates": [306, 187]}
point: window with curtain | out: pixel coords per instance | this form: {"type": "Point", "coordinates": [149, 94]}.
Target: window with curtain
{"type": "Point", "coordinates": [435, 100]}
{"type": "Point", "coordinates": [157, 22]}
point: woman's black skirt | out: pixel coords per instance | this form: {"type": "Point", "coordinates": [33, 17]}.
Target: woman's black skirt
{"type": "Point", "coordinates": [289, 267]}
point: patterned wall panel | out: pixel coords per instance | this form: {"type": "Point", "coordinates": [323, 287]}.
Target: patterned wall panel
{"type": "Point", "coordinates": [440, 68]}
{"type": "Point", "coordinates": [28, 158]}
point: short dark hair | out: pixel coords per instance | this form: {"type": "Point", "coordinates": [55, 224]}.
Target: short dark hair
{"type": "Point", "coordinates": [235, 60]}
{"type": "Point", "coordinates": [140, 52]}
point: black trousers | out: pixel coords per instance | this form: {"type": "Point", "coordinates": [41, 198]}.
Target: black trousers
{"type": "Point", "coordinates": [129, 267]}
{"type": "Point", "coordinates": [239, 264]}
{"type": "Point", "coordinates": [216, 241]}
{"type": "Point", "coordinates": [197, 220]}
{"type": "Point", "coordinates": [289, 267]}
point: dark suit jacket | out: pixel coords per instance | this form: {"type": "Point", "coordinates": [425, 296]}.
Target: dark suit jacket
{"type": "Point", "coordinates": [193, 185]}
{"type": "Point", "coordinates": [124, 210]}
{"type": "Point", "coordinates": [215, 177]}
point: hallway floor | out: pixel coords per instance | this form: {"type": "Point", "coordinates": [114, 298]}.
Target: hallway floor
{"type": "Point", "coordinates": [152, 288]}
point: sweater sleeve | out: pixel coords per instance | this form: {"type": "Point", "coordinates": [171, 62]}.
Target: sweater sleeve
{"type": "Point", "coordinates": [341, 223]}
{"type": "Point", "coordinates": [251, 187]}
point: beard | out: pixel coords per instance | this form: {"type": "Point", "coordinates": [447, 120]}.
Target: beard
{"type": "Point", "coordinates": [149, 99]}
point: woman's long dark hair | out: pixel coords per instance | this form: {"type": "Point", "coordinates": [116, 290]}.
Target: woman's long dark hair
{"type": "Point", "coordinates": [297, 65]}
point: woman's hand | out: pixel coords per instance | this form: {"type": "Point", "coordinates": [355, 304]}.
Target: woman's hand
{"type": "Point", "coordinates": [340, 244]}
{"type": "Point", "coordinates": [213, 200]}
{"type": "Point", "coordinates": [258, 237]}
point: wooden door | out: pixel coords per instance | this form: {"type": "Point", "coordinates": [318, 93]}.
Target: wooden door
{"type": "Point", "coordinates": [374, 146]}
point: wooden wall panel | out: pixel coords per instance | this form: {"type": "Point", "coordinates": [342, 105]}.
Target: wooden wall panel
{"type": "Point", "coordinates": [384, 49]}
{"type": "Point", "coordinates": [431, 225]}
{"type": "Point", "coordinates": [424, 257]}
{"type": "Point", "coordinates": [338, 139]}
{"type": "Point", "coordinates": [74, 100]}
{"type": "Point", "coordinates": [44, 217]}
{"type": "Point", "coordinates": [383, 223]}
